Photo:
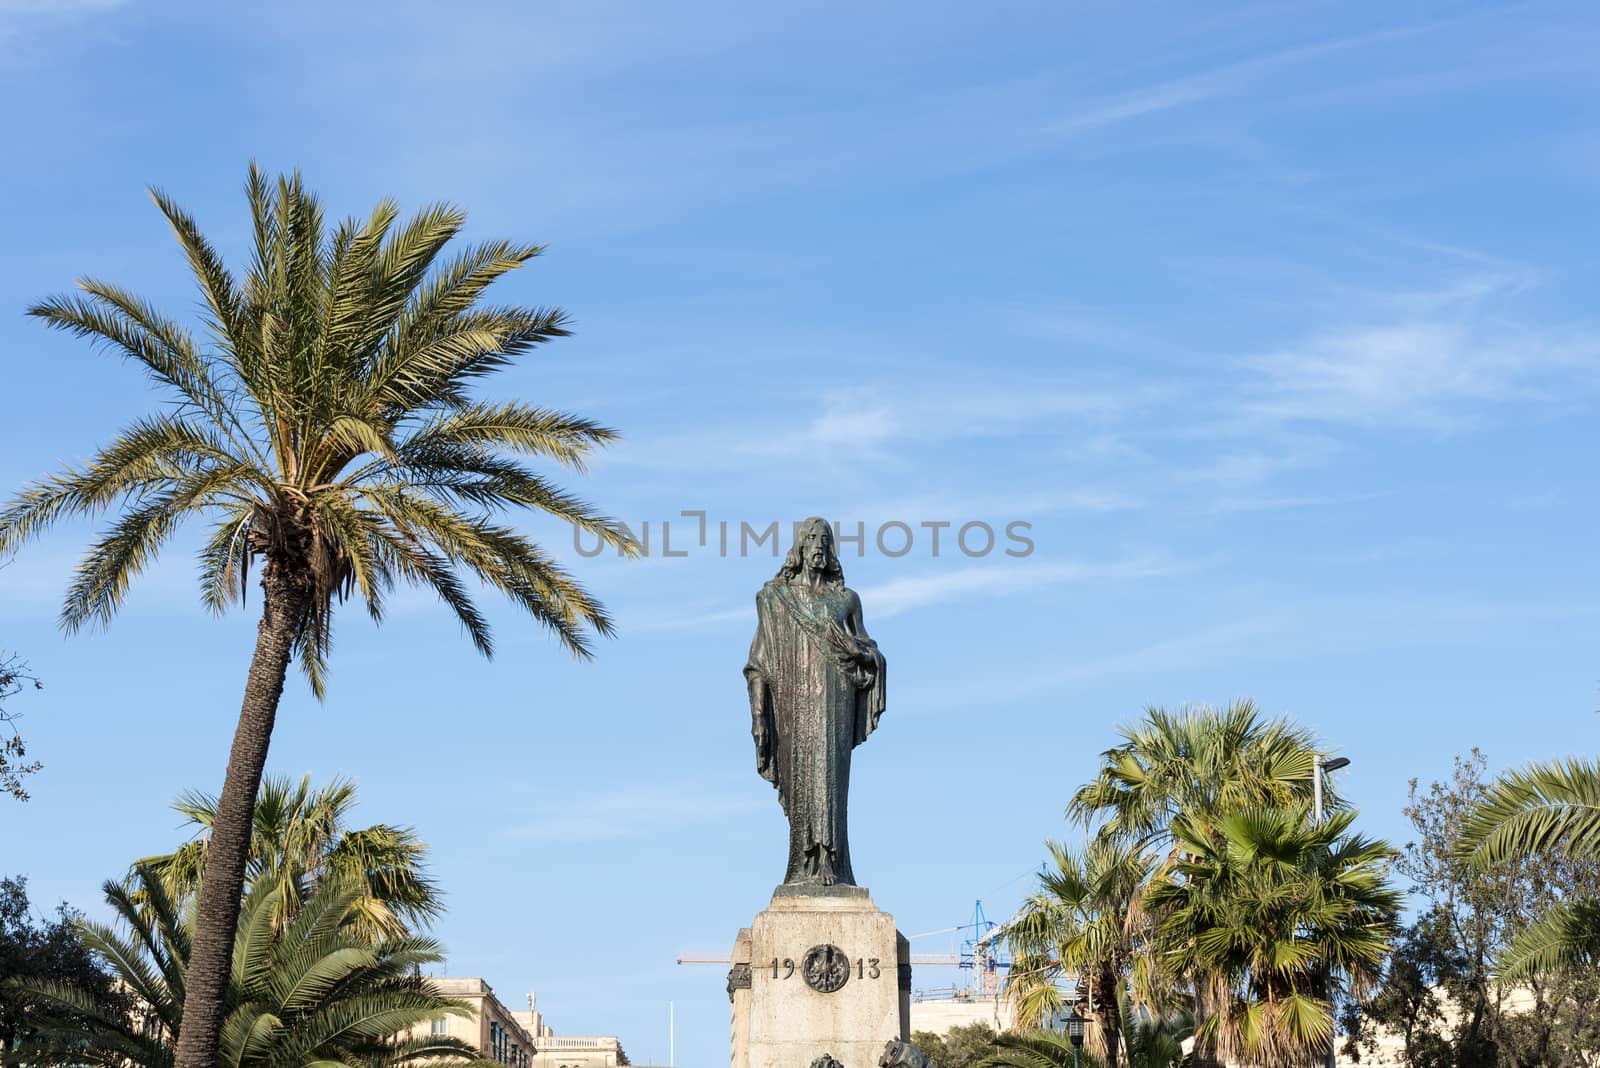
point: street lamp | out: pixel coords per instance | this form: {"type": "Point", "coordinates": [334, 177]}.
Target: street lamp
{"type": "Point", "coordinates": [1072, 1027]}
{"type": "Point", "coordinates": [1075, 1033]}
{"type": "Point", "coordinates": [1318, 766]}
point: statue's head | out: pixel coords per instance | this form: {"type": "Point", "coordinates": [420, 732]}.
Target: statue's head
{"type": "Point", "coordinates": [813, 553]}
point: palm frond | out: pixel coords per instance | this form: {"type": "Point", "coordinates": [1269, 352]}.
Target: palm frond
{"type": "Point", "coordinates": [1535, 810]}
{"type": "Point", "coordinates": [333, 376]}
{"type": "Point", "coordinates": [1566, 939]}
{"type": "Point", "coordinates": [101, 580]}
{"type": "Point", "coordinates": [317, 992]}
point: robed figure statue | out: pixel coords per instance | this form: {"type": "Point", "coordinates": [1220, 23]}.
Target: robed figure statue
{"type": "Point", "coordinates": [816, 691]}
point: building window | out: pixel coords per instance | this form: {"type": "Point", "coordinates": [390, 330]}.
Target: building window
{"type": "Point", "coordinates": [441, 1026]}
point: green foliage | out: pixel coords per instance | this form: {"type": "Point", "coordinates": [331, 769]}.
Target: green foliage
{"type": "Point", "coordinates": [1154, 1040]}
{"type": "Point", "coordinates": [49, 950]}
{"type": "Point", "coordinates": [1083, 922]}
{"type": "Point", "coordinates": [1273, 914]}
{"type": "Point", "coordinates": [1148, 1040]}
{"type": "Point", "coordinates": [1244, 911]}
{"type": "Point", "coordinates": [1545, 809]}
{"type": "Point", "coordinates": [1410, 1001]}
{"type": "Point", "coordinates": [1038, 1049]}
{"type": "Point", "coordinates": [317, 994]}
{"type": "Point", "coordinates": [963, 1046]}
{"type": "Point", "coordinates": [1199, 763]}
{"type": "Point", "coordinates": [1537, 809]}
{"type": "Point", "coordinates": [300, 840]}
{"type": "Point", "coordinates": [322, 422]}
{"type": "Point", "coordinates": [14, 763]}
{"type": "Point", "coordinates": [1446, 991]}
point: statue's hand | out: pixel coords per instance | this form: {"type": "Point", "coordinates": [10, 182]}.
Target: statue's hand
{"type": "Point", "coordinates": [850, 648]}
{"type": "Point", "coordinates": [763, 750]}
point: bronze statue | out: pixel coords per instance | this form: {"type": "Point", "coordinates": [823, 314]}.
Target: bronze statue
{"type": "Point", "coordinates": [898, 1053]}
{"type": "Point", "coordinates": [816, 691]}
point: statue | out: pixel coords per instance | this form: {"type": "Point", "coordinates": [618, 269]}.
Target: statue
{"type": "Point", "coordinates": [898, 1053]}
{"type": "Point", "coordinates": [816, 691]}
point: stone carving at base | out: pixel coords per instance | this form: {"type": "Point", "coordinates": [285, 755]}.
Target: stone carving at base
{"type": "Point", "coordinates": [826, 1061]}
{"type": "Point", "coordinates": [738, 979]}
{"type": "Point", "coordinates": [783, 1019]}
{"type": "Point", "coordinates": [826, 968]}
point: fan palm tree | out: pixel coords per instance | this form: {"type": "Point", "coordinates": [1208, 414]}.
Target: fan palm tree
{"type": "Point", "coordinates": [300, 838]}
{"type": "Point", "coordinates": [317, 995]}
{"type": "Point", "coordinates": [1273, 921]}
{"type": "Point", "coordinates": [1198, 763]}
{"type": "Point", "coordinates": [323, 425]}
{"type": "Point", "coordinates": [1541, 809]}
{"type": "Point", "coordinates": [1084, 921]}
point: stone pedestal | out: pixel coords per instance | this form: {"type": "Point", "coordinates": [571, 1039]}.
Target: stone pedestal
{"type": "Point", "coordinates": [822, 970]}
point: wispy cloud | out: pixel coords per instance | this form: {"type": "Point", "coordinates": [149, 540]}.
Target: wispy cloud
{"type": "Point", "coordinates": [55, 7]}
{"type": "Point", "coordinates": [879, 419]}
{"type": "Point", "coordinates": [891, 598]}
{"type": "Point", "coordinates": [854, 420]}
{"type": "Point", "coordinates": [1138, 104]}
{"type": "Point", "coordinates": [1234, 504]}
{"type": "Point", "coordinates": [1426, 373]}
{"type": "Point", "coordinates": [1281, 632]}
{"type": "Point", "coordinates": [22, 22]}
{"type": "Point", "coordinates": [1219, 81]}
{"type": "Point", "coordinates": [899, 595]}
{"type": "Point", "coordinates": [640, 810]}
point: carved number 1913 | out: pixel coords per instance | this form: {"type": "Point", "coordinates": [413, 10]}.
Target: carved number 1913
{"type": "Point", "coordinates": [866, 968]}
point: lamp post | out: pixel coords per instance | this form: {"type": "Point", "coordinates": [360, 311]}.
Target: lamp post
{"type": "Point", "coordinates": [1318, 766]}
{"type": "Point", "coordinates": [1072, 1027]}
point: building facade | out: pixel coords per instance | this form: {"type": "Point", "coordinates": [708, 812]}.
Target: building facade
{"type": "Point", "coordinates": [939, 1012]}
{"type": "Point", "coordinates": [493, 1029]}
{"type": "Point", "coordinates": [568, 1051]}
{"type": "Point", "coordinates": [517, 1038]}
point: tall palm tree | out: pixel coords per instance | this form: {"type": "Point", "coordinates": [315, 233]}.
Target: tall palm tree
{"type": "Point", "coordinates": [317, 995]}
{"type": "Point", "coordinates": [1084, 921]}
{"type": "Point", "coordinates": [1198, 764]}
{"type": "Point", "coordinates": [1274, 920]}
{"type": "Point", "coordinates": [300, 838]}
{"type": "Point", "coordinates": [1542, 808]}
{"type": "Point", "coordinates": [323, 425]}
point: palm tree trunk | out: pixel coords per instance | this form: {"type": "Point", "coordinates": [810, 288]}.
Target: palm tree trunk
{"type": "Point", "coordinates": [1205, 1052]}
{"type": "Point", "coordinates": [222, 884]}
{"type": "Point", "coordinates": [1110, 1016]}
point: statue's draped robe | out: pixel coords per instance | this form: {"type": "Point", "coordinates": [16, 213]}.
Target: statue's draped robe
{"type": "Point", "coordinates": [812, 704]}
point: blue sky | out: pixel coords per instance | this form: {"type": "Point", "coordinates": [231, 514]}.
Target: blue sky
{"type": "Point", "coordinates": [1275, 322]}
